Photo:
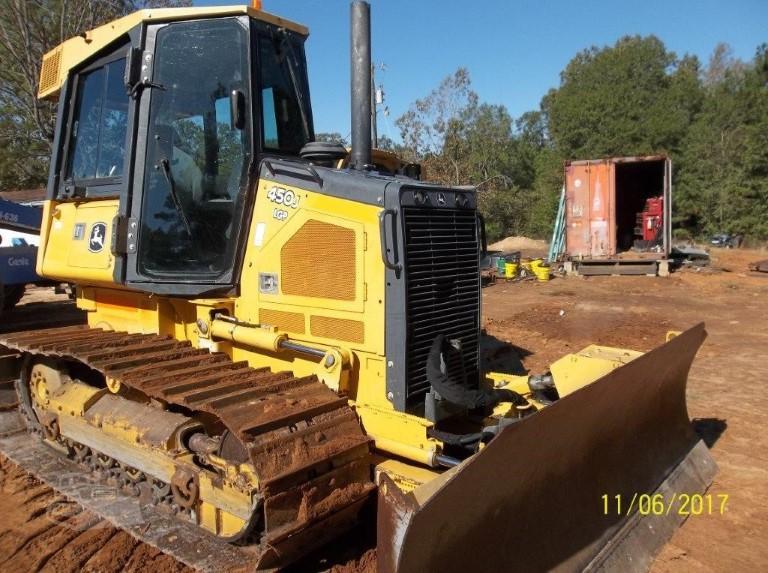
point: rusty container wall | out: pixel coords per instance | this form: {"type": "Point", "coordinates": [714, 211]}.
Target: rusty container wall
{"type": "Point", "coordinates": [590, 206]}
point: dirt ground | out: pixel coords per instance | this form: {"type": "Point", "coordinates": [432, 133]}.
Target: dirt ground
{"type": "Point", "coordinates": [726, 390]}
{"type": "Point", "coordinates": [542, 321]}
{"type": "Point", "coordinates": [42, 531]}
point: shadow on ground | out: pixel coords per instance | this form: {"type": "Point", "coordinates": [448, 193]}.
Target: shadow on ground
{"type": "Point", "coordinates": [709, 429]}
{"type": "Point", "coordinates": [500, 356]}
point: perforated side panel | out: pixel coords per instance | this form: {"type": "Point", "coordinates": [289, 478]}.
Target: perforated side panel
{"type": "Point", "coordinates": [319, 261]}
{"type": "Point", "coordinates": [49, 72]}
{"type": "Point", "coordinates": [337, 328]}
{"type": "Point", "coordinates": [287, 321]}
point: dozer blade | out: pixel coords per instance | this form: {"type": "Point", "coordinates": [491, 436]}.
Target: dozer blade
{"type": "Point", "coordinates": [532, 500]}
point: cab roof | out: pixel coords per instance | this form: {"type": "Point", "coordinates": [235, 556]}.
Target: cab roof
{"type": "Point", "coordinates": [69, 54]}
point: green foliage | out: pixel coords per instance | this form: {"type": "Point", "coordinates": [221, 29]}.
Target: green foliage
{"type": "Point", "coordinates": [723, 179]}
{"type": "Point", "coordinates": [461, 141]}
{"type": "Point", "coordinates": [29, 29]}
{"type": "Point", "coordinates": [425, 126]}
{"type": "Point", "coordinates": [633, 98]}
{"type": "Point", "coordinates": [333, 137]}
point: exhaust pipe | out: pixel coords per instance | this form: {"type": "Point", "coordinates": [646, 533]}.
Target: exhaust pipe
{"type": "Point", "coordinates": [361, 85]}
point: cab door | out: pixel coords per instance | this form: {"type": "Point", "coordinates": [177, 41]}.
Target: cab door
{"type": "Point", "coordinates": [600, 204]}
{"type": "Point", "coordinates": [577, 205]}
{"type": "Point", "coordinates": [88, 175]}
{"type": "Point", "coordinates": [193, 157]}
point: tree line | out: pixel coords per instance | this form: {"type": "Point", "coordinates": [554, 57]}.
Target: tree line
{"type": "Point", "coordinates": [28, 30]}
{"type": "Point", "coordinates": [635, 97]}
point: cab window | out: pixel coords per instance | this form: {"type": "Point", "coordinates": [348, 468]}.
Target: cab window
{"type": "Point", "coordinates": [99, 122]}
{"type": "Point", "coordinates": [196, 155]}
{"type": "Point", "coordinates": [286, 119]}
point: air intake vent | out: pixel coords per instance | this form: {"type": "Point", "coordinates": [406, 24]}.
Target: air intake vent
{"type": "Point", "coordinates": [292, 322]}
{"type": "Point", "coordinates": [49, 73]}
{"type": "Point", "coordinates": [319, 261]}
{"type": "Point", "coordinates": [442, 289]}
{"type": "Point", "coordinates": [337, 328]}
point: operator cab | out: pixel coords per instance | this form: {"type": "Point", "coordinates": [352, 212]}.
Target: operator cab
{"type": "Point", "coordinates": [172, 120]}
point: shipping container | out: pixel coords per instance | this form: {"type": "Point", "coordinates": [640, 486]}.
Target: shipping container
{"type": "Point", "coordinates": [618, 206]}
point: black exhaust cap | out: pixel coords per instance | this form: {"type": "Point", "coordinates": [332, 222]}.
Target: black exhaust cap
{"type": "Point", "coordinates": [361, 85]}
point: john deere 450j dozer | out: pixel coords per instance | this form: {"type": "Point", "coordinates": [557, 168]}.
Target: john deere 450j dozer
{"type": "Point", "coordinates": [274, 342]}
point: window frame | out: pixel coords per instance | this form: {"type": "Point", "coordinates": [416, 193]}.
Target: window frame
{"type": "Point", "coordinates": [95, 186]}
{"type": "Point", "coordinates": [258, 30]}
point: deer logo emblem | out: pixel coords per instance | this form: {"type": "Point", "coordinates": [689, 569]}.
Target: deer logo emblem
{"type": "Point", "coordinates": [97, 236]}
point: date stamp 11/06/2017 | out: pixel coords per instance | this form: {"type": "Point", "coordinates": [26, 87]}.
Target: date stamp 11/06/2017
{"type": "Point", "coordinates": [682, 504]}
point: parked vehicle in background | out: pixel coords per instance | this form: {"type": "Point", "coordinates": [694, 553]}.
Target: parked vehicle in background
{"type": "Point", "coordinates": [19, 237]}
{"type": "Point", "coordinates": [726, 241]}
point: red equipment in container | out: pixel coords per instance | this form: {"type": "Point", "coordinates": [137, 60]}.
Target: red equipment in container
{"type": "Point", "coordinates": [651, 220]}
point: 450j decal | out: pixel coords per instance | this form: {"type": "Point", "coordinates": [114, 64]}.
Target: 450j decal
{"type": "Point", "coordinates": [285, 197]}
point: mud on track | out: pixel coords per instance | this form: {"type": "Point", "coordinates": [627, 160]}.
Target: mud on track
{"type": "Point", "coordinates": [40, 530]}
{"type": "Point", "coordinates": [726, 396]}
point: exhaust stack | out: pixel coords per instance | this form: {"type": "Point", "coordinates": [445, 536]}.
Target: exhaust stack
{"type": "Point", "coordinates": [361, 84]}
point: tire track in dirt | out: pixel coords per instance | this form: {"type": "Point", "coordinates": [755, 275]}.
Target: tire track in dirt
{"type": "Point", "coordinates": [43, 531]}
{"type": "Point", "coordinates": [113, 555]}
{"type": "Point", "coordinates": [72, 557]}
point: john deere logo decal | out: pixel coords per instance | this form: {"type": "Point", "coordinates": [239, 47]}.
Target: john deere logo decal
{"type": "Point", "coordinates": [97, 236]}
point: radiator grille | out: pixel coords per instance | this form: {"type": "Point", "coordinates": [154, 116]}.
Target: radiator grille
{"type": "Point", "coordinates": [442, 289]}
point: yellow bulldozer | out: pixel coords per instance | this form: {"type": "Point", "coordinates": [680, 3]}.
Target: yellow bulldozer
{"type": "Point", "coordinates": [284, 337]}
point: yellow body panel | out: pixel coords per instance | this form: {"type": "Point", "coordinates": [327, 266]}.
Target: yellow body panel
{"type": "Point", "coordinates": [351, 318]}
{"type": "Point", "coordinates": [65, 241]}
{"type": "Point", "coordinates": [574, 371]}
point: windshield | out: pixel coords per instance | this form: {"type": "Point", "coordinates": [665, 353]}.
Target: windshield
{"type": "Point", "coordinates": [196, 156]}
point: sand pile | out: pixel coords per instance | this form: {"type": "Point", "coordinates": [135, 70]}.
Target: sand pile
{"type": "Point", "coordinates": [519, 244]}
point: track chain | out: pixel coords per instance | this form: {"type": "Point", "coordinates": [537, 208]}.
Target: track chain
{"type": "Point", "coordinates": [303, 440]}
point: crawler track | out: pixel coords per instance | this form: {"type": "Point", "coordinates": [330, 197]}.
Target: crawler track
{"type": "Point", "coordinates": [305, 443]}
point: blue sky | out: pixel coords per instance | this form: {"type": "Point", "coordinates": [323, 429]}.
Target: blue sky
{"type": "Point", "coordinates": [514, 49]}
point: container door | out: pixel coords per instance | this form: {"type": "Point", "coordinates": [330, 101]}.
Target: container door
{"type": "Point", "coordinates": [600, 209]}
{"type": "Point", "coordinates": [577, 233]}
{"type": "Point", "coordinates": [667, 222]}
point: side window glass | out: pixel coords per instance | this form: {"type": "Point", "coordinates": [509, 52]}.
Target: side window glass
{"type": "Point", "coordinates": [85, 127]}
{"type": "Point", "coordinates": [114, 121]}
{"type": "Point", "coordinates": [282, 87]}
{"type": "Point", "coordinates": [97, 146]}
{"type": "Point", "coordinates": [270, 119]}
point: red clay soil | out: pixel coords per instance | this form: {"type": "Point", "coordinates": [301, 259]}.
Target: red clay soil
{"type": "Point", "coordinates": [727, 400]}
{"type": "Point", "coordinates": [365, 564]}
{"type": "Point", "coordinates": [42, 531]}
{"type": "Point", "coordinates": [727, 396]}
